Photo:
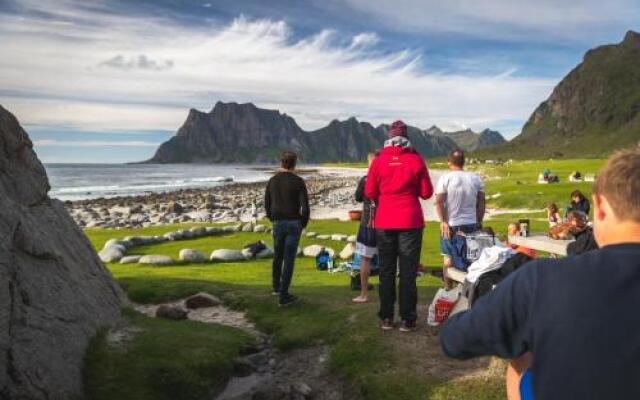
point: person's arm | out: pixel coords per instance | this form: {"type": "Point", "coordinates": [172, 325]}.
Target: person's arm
{"type": "Point", "coordinates": [360, 190]}
{"type": "Point", "coordinates": [305, 212]}
{"type": "Point", "coordinates": [424, 183]}
{"type": "Point", "coordinates": [441, 209]}
{"type": "Point", "coordinates": [500, 323]}
{"type": "Point", "coordinates": [372, 187]}
{"type": "Point", "coordinates": [267, 200]}
{"type": "Point", "coordinates": [480, 207]}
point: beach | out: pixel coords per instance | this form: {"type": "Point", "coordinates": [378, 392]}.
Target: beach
{"type": "Point", "coordinates": [331, 196]}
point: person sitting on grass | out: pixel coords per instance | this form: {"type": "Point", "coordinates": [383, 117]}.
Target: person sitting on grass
{"type": "Point", "coordinates": [514, 230]}
{"type": "Point", "coordinates": [577, 316]}
{"type": "Point", "coordinates": [366, 246]}
{"type": "Point", "coordinates": [553, 216]}
{"type": "Point", "coordinates": [287, 204]}
{"type": "Point", "coordinates": [578, 203]}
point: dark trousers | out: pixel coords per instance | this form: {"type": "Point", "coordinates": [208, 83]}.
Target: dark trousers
{"type": "Point", "coordinates": [286, 236]}
{"type": "Point", "coordinates": [399, 250]}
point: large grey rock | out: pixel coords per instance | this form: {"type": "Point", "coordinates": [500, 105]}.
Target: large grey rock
{"type": "Point", "coordinates": [190, 255]}
{"type": "Point", "coordinates": [201, 300]}
{"type": "Point", "coordinates": [339, 237]}
{"type": "Point", "coordinates": [154, 259]}
{"type": "Point", "coordinates": [247, 227]}
{"type": "Point", "coordinates": [260, 228]}
{"type": "Point", "coordinates": [323, 237]}
{"type": "Point", "coordinates": [348, 251]}
{"type": "Point", "coordinates": [111, 254]}
{"type": "Point", "coordinates": [314, 249]}
{"type": "Point", "coordinates": [56, 293]}
{"type": "Point", "coordinates": [226, 255]}
{"type": "Point", "coordinates": [130, 259]}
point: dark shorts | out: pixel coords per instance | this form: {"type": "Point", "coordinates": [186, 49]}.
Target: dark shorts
{"type": "Point", "coordinates": [446, 245]}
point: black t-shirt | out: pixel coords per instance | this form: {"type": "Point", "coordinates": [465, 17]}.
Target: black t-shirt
{"type": "Point", "coordinates": [286, 198]}
{"type": "Point", "coordinates": [578, 316]}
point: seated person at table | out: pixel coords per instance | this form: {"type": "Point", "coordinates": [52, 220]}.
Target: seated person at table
{"type": "Point", "coordinates": [514, 230]}
{"type": "Point", "coordinates": [578, 203]}
{"type": "Point", "coordinates": [578, 316]}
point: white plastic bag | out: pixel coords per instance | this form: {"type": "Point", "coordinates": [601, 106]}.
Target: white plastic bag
{"type": "Point", "coordinates": [443, 303]}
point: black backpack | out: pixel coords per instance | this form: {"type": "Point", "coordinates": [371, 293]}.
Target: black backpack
{"type": "Point", "coordinates": [489, 280]}
{"type": "Point", "coordinates": [255, 248]}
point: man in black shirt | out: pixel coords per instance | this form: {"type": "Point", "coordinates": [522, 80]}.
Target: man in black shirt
{"type": "Point", "coordinates": [287, 205]}
{"type": "Point", "coordinates": [577, 316]}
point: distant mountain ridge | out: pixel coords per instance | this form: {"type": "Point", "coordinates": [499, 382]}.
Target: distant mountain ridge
{"type": "Point", "coordinates": [469, 140]}
{"type": "Point", "coordinates": [593, 111]}
{"type": "Point", "coordinates": [244, 133]}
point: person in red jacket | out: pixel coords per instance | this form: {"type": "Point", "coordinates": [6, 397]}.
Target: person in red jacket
{"type": "Point", "coordinates": [397, 179]}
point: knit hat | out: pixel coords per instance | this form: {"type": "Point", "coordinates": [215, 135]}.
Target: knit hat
{"type": "Point", "coordinates": [398, 128]}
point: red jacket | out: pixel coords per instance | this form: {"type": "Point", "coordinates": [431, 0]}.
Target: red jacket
{"type": "Point", "coordinates": [397, 178]}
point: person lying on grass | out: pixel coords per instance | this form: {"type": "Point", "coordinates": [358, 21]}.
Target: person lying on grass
{"type": "Point", "coordinates": [577, 316]}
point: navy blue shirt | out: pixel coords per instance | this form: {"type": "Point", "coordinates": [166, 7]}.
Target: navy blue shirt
{"type": "Point", "coordinates": [579, 317]}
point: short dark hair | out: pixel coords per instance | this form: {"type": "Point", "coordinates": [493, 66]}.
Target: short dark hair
{"type": "Point", "coordinates": [288, 159]}
{"type": "Point", "coordinates": [456, 157]}
{"type": "Point", "coordinates": [619, 182]}
{"type": "Point", "coordinates": [577, 193]}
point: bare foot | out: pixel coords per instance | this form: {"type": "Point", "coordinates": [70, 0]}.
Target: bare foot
{"type": "Point", "coordinates": [360, 300]}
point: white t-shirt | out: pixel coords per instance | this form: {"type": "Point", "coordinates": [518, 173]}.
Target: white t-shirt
{"type": "Point", "coordinates": [461, 189]}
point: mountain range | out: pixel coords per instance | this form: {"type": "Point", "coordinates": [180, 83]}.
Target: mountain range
{"type": "Point", "coordinates": [244, 133]}
{"type": "Point", "coordinates": [593, 111]}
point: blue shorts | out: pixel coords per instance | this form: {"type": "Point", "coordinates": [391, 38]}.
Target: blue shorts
{"type": "Point", "coordinates": [446, 245]}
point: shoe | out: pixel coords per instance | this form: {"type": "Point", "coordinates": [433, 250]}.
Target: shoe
{"type": "Point", "coordinates": [387, 324]}
{"type": "Point", "coordinates": [408, 326]}
{"type": "Point", "coordinates": [275, 293]}
{"type": "Point", "coordinates": [287, 301]}
{"type": "Point", "coordinates": [360, 300]}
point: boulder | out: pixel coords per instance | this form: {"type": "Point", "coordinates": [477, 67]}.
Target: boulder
{"type": "Point", "coordinates": [173, 235]}
{"type": "Point", "coordinates": [174, 208]}
{"type": "Point", "coordinates": [311, 234]}
{"type": "Point", "coordinates": [130, 259]}
{"type": "Point", "coordinates": [227, 255]}
{"type": "Point", "coordinates": [213, 230]}
{"type": "Point", "coordinates": [56, 293]}
{"type": "Point", "coordinates": [339, 237]}
{"type": "Point", "coordinates": [352, 239]}
{"type": "Point", "coordinates": [156, 260]}
{"type": "Point", "coordinates": [314, 249]}
{"type": "Point", "coordinates": [171, 312]}
{"type": "Point", "coordinates": [190, 255]}
{"type": "Point", "coordinates": [124, 243]}
{"type": "Point", "coordinates": [247, 227]}
{"type": "Point", "coordinates": [201, 300]}
{"type": "Point", "coordinates": [260, 228]}
{"type": "Point", "coordinates": [348, 251]}
{"type": "Point", "coordinates": [323, 237]}
{"type": "Point", "coordinates": [232, 228]}
{"type": "Point", "coordinates": [111, 254]}
{"type": "Point", "coordinates": [198, 231]}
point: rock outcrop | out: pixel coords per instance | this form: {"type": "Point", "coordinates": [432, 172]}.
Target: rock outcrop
{"type": "Point", "coordinates": [593, 111]}
{"type": "Point", "coordinates": [233, 132]}
{"type": "Point", "coordinates": [56, 293]}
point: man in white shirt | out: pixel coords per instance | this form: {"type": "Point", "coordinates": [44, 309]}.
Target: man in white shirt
{"type": "Point", "coordinates": [460, 205]}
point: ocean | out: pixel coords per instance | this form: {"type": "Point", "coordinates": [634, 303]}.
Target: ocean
{"type": "Point", "coordinates": [89, 181]}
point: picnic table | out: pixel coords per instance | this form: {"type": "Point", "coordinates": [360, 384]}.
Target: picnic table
{"type": "Point", "coordinates": [537, 242]}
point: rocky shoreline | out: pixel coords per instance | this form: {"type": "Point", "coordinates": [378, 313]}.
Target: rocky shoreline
{"type": "Point", "coordinates": [234, 202]}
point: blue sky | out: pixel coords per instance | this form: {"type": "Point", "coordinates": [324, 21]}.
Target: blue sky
{"type": "Point", "coordinates": [107, 81]}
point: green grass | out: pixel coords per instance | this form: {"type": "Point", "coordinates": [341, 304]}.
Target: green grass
{"type": "Point", "coordinates": [162, 360]}
{"type": "Point", "coordinates": [377, 366]}
{"type": "Point", "coordinates": [516, 182]}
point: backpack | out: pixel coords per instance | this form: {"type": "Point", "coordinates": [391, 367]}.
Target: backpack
{"type": "Point", "coordinates": [323, 259]}
{"type": "Point", "coordinates": [489, 280]}
{"type": "Point", "coordinates": [255, 248]}
{"type": "Point", "coordinates": [585, 241]}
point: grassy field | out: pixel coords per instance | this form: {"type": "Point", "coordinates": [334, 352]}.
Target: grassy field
{"type": "Point", "coordinates": [377, 365]}
{"type": "Point", "coordinates": [515, 186]}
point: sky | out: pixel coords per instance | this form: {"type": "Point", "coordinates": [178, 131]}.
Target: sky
{"type": "Point", "coordinates": [108, 81]}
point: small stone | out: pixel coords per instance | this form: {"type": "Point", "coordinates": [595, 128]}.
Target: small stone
{"type": "Point", "coordinates": [130, 259]}
{"type": "Point", "coordinates": [156, 260]}
{"type": "Point", "coordinates": [175, 208]}
{"type": "Point", "coordinates": [247, 227]}
{"type": "Point", "coordinates": [352, 239]}
{"type": "Point", "coordinates": [171, 312]}
{"type": "Point", "coordinates": [302, 388]}
{"type": "Point", "coordinates": [202, 300]}
{"type": "Point", "coordinates": [311, 234]}
{"type": "Point", "coordinates": [339, 237]}
{"type": "Point", "coordinates": [110, 254]}
{"type": "Point", "coordinates": [260, 228]}
{"type": "Point", "coordinates": [323, 237]}
{"type": "Point", "coordinates": [348, 251]}
{"type": "Point", "coordinates": [226, 255]}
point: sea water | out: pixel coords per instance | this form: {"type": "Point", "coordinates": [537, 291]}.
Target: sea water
{"type": "Point", "coordinates": [90, 181]}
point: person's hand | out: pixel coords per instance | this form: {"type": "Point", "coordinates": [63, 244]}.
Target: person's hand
{"type": "Point", "coordinates": [445, 230]}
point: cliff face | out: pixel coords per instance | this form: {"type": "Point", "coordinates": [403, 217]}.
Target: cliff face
{"type": "Point", "coordinates": [469, 140]}
{"type": "Point", "coordinates": [594, 110]}
{"type": "Point", "coordinates": [55, 292]}
{"type": "Point", "coordinates": [244, 133]}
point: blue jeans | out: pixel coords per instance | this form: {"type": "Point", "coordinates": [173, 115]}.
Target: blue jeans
{"type": "Point", "coordinates": [452, 247]}
{"type": "Point", "coordinates": [286, 236]}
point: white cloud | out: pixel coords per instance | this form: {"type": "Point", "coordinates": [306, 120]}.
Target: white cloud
{"type": "Point", "coordinates": [541, 20]}
{"type": "Point", "coordinates": [140, 61]}
{"type": "Point", "coordinates": [314, 79]}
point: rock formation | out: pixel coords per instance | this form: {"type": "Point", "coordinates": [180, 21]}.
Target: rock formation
{"type": "Point", "coordinates": [469, 140]}
{"type": "Point", "coordinates": [244, 133]}
{"type": "Point", "coordinates": [593, 111]}
{"type": "Point", "coordinates": [56, 294]}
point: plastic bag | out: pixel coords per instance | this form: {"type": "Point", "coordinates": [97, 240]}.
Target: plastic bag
{"type": "Point", "coordinates": [442, 305]}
